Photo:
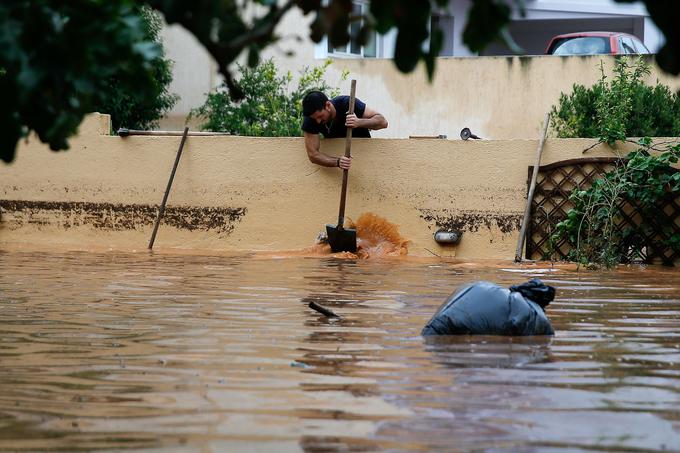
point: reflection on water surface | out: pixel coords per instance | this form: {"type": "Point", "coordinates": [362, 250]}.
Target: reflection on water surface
{"type": "Point", "coordinates": [117, 351]}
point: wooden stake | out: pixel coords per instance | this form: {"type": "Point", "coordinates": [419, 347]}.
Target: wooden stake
{"type": "Point", "coordinates": [161, 210]}
{"type": "Point", "coordinates": [532, 187]}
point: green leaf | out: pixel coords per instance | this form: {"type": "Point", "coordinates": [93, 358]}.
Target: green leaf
{"type": "Point", "coordinates": [436, 40]}
{"type": "Point", "coordinates": [253, 56]}
{"type": "Point", "coordinates": [485, 20]}
{"type": "Point", "coordinates": [384, 13]}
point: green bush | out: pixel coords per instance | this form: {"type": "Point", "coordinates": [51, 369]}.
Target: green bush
{"type": "Point", "coordinates": [135, 110]}
{"type": "Point", "coordinates": [620, 108]}
{"type": "Point", "coordinates": [270, 107]}
{"type": "Point", "coordinates": [613, 111]}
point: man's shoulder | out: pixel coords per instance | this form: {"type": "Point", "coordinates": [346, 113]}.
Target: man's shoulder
{"type": "Point", "coordinates": [342, 100]}
{"type": "Point", "coordinates": [341, 103]}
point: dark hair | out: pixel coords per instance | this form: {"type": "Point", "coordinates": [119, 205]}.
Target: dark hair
{"type": "Point", "coordinates": [313, 102]}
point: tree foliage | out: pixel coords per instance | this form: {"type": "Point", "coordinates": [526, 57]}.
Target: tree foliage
{"type": "Point", "coordinates": [270, 108]}
{"type": "Point", "coordinates": [135, 110]}
{"type": "Point", "coordinates": [59, 56]}
{"type": "Point", "coordinates": [665, 15]}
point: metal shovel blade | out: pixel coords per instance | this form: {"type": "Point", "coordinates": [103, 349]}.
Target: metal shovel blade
{"type": "Point", "coordinates": [341, 239]}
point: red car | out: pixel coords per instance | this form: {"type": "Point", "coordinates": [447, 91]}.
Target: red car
{"type": "Point", "coordinates": [594, 43]}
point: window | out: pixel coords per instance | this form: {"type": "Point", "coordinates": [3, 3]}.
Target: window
{"type": "Point", "coordinates": [590, 45]}
{"type": "Point", "coordinates": [641, 48]}
{"type": "Point", "coordinates": [368, 50]}
{"type": "Point", "coordinates": [627, 46]}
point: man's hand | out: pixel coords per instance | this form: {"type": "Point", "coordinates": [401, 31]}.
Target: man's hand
{"type": "Point", "coordinates": [345, 162]}
{"type": "Point", "coordinates": [352, 121]}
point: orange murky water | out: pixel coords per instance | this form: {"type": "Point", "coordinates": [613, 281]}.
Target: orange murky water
{"type": "Point", "coordinates": [377, 237]}
{"type": "Point", "coordinates": [113, 351]}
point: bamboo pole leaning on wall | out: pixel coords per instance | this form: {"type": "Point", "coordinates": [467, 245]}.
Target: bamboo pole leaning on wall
{"type": "Point", "coordinates": [161, 209]}
{"type": "Point", "coordinates": [532, 187]}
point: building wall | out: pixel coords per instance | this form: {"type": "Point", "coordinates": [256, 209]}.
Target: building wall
{"type": "Point", "coordinates": [195, 73]}
{"type": "Point", "coordinates": [496, 97]}
{"type": "Point", "coordinates": [542, 20]}
{"type": "Point", "coordinates": [262, 194]}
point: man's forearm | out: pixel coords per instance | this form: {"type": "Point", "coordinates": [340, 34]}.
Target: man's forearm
{"type": "Point", "coordinates": [375, 122]}
{"type": "Point", "coordinates": [324, 160]}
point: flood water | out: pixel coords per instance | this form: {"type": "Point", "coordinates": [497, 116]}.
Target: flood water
{"type": "Point", "coordinates": [122, 351]}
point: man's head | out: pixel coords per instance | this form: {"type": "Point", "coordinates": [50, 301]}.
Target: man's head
{"type": "Point", "coordinates": [316, 105]}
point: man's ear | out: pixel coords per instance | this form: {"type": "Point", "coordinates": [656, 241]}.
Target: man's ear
{"type": "Point", "coordinates": [327, 105]}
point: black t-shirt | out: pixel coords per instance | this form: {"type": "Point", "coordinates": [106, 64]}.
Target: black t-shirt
{"type": "Point", "coordinates": [337, 127]}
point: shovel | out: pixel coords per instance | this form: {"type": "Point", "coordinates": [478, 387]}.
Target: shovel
{"type": "Point", "coordinates": [341, 239]}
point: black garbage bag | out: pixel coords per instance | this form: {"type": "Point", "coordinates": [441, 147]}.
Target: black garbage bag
{"type": "Point", "coordinates": [484, 308]}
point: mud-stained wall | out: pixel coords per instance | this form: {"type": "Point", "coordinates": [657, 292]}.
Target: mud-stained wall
{"type": "Point", "coordinates": [249, 194]}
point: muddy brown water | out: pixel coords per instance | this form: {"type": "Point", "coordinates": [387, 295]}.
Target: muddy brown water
{"type": "Point", "coordinates": [114, 351]}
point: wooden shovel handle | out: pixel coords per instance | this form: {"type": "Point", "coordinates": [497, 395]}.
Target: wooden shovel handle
{"type": "Point", "coordinates": [352, 99]}
{"type": "Point", "coordinates": [348, 146]}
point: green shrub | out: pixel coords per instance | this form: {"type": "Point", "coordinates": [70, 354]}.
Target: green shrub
{"type": "Point", "coordinates": [620, 108]}
{"type": "Point", "coordinates": [575, 114]}
{"type": "Point", "coordinates": [613, 111]}
{"type": "Point", "coordinates": [270, 107]}
{"type": "Point", "coordinates": [135, 110]}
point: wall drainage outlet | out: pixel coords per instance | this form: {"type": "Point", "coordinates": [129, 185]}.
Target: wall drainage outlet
{"type": "Point", "coordinates": [447, 237]}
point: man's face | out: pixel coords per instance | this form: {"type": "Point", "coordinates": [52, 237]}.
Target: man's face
{"type": "Point", "coordinates": [322, 116]}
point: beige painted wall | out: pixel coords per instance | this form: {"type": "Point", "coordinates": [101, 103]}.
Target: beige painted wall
{"type": "Point", "coordinates": [496, 97]}
{"type": "Point", "coordinates": [103, 191]}
{"type": "Point", "coordinates": [195, 72]}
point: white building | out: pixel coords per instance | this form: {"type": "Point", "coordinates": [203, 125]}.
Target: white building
{"type": "Point", "coordinates": [195, 74]}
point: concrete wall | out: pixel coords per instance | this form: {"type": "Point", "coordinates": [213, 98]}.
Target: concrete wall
{"type": "Point", "coordinates": [194, 72]}
{"type": "Point", "coordinates": [496, 97]}
{"type": "Point", "coordinates": [241, 193]}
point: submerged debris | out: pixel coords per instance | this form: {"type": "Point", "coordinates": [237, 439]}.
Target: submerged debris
{"type": "Point", "coordinates": [323, 310]}
{"type": "Point", "coordinates": [484, 308]}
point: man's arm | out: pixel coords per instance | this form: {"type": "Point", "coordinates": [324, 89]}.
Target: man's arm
{"type": "Point", "coordinates": [313, 145]}
{"type": "Point", "coordinates": [371, 120]}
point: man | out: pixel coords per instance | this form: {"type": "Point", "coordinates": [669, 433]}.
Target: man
{"type": "Point", "coordinates": [330, 118]}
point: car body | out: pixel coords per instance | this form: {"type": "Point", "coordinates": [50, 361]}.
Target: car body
{"type": "Point", "coordinates": [595, 43]}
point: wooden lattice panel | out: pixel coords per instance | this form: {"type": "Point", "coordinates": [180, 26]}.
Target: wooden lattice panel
{"type": "Point", "coordinates": [551, 203]}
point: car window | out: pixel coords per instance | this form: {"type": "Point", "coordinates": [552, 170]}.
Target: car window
{"type": "Point", "coordinates": [587, 45]}
{"type": "Point", "coordinates": [627, 46]}
{"type": "Point", "coordinates": [641, 48]}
